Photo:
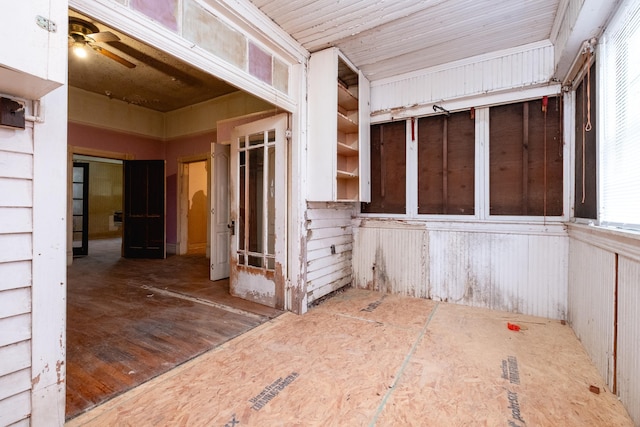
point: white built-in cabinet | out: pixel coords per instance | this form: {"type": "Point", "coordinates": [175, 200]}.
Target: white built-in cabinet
{"type": "Point", "coordinates": [338, 151]}
{"type": "Point", "coordinates": [34, 38]}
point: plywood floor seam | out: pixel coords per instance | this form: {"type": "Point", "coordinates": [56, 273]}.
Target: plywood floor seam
{"type": "Point", "coordinates": [406, 361]}
{"type": "Point", "coordinates": [346, 362]}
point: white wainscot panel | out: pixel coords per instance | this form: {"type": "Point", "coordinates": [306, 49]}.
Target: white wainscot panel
{"type": "Point", "coordinates": [510, 272]}
{"type": "Point", "coordinates": [628, 365]}
{"type": "Point", "coordinates": [591, 302]}
{"type": "Point", "coordinates": [391, 260]}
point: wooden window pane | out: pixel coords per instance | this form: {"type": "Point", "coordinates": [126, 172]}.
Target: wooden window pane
{"type": "Point", "coordinates": [525, 155]}
{"type": "Point", "coordinates": [585, 167]}
{"type": "Point", "coordinates": [446, 164]}
{"type": "Point", "coordinates": [388, 169]}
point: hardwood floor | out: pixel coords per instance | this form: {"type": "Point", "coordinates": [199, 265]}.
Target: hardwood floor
{"type": "Point", "coordinates": [130, 320]}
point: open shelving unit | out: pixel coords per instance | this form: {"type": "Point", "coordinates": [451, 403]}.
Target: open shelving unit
{"type": "Point", "coordinates": [339, 129]}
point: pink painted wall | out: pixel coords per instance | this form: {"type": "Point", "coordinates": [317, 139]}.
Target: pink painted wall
{"type": "Point", "coordinates": [144, 148]}
{"type": "Point", "coordinates": [188, 146]}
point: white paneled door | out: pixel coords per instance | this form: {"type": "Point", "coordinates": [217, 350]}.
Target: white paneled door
{"type": "Point", "coordinates": [220, 224]}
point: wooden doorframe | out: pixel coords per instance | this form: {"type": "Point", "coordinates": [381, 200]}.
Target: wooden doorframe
{"type": "Point", "coordinates": [84, 246]}
{"type": "Point", "coordinates": [182, 201]}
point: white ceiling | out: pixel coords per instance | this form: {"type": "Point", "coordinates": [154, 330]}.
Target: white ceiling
{"type": "Point", "coordinates": [389, 37]}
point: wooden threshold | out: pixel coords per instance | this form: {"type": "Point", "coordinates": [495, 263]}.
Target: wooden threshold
{"type": "Point", "coordinates": [363, 358]}
{"type": "Point", "coordinates": [129, 321]}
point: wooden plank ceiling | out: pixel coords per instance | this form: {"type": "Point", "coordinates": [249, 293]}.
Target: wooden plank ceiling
{"type": "Point", "coordinates": [389, 37]}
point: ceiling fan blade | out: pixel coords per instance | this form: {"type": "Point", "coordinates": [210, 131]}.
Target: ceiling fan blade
{"type": "Point", "coordinates": [113, 56]}
{"type": "Point", "coordinates": [103, 37]}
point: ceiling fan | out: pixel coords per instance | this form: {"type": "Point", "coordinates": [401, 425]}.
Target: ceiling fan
{"type": "Point", "coordinates": [83, 34]}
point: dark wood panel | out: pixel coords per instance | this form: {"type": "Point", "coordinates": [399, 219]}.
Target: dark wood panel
{"type": "Point", "coordinates": [526, 158]}
{"type": "Point", "coordinates": [388, 168]}
{"type": "Point", "coordinates": [446, 164]}
{"type": "Point", "coordinates": [461, 164]}
{"type": "Point", "coordinates": [505, 153]}
{"type": "Point", "coordinates": [430, 166]}
{"type": "Point", "coordinates": [545, 158]}
{"type": "Point", "coordinates": [131, 320]}
{"type": "Point", "coordinates": [144, 209]}
{"type": "Point", "coordinates": [586, 167]}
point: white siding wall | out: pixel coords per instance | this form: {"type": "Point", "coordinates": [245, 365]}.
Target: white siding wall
{"type": "Point", "coordinates": [16, 198]}
{"type": "Point", "coordinates": [523, 67]}
{"type": "Point", "coordinates": [524, 273]}
{"type": "Point", "coordinates": [591, 302]}
{"type": "Point", "coordinates": [628, 365]}
{"type": "Point", "coordinates": [593, 271]}
{"type": "Point", "coordinates": [328, 224]}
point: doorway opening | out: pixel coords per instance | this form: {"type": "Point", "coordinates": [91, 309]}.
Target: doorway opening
{"type": "Point", "coordinates": [96, 202]}
{"type": "Point", "coordinates": [194, 193]}
{"type": "Point", "coordinates": [197, 234]}
{"type": "Point", "coordinates": [129, 320]}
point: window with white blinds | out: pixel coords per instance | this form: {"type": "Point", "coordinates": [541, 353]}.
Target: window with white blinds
{"type": "Point", "coordinates": [620, 143]}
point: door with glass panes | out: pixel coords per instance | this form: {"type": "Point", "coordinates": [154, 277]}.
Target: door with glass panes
{"type": "Point", "coordinates": [258, 211]}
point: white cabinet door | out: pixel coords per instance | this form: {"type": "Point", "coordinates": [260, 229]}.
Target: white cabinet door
{"type": "Point", "coordinates": [33, 59]}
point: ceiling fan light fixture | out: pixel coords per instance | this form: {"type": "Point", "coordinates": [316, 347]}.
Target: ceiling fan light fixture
{"type": "Point", "coordinates": [79, 50]}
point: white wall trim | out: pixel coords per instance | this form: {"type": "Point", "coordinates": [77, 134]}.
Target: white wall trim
{"type": "Point", "coordinates": [49, 280]}
{"type": "Point", "coordinates": [623, 242]}
{"type": "Point", "coordinates": [465, 102]}
{"type": "Point", "coordinates": [526, 228]}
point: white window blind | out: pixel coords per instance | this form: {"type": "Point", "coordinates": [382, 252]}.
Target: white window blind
{"type": "Point", "coordinates": [620, 143]}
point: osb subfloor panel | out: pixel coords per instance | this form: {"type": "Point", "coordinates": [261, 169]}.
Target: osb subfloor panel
{"type": "Point", "coordinates": [362, 358]}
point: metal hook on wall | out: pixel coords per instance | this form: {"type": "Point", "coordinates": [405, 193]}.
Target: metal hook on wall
{"type": "Point", "coordinates": [439, 108]}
